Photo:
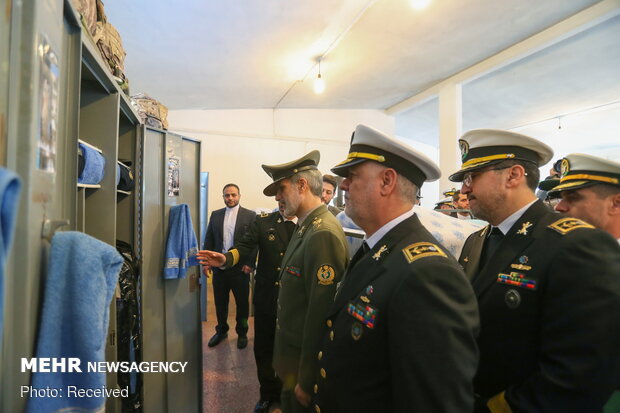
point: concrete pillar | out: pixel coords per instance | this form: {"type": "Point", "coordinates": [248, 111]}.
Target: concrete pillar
{"type": "Point", "coordinates": [450, 129]}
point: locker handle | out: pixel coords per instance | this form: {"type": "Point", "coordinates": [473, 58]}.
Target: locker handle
{"type": "Point", "coordinates": [50, 226]}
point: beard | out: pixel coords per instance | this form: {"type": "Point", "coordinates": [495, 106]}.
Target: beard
{"type": "Point", "coordinates": [487, 208]}
{"type": "Point", "coordinates": [291, 205]}
{"type": "Point", "coordinates": [231, 203]}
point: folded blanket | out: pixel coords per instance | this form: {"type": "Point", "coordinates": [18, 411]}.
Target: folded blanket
{"type": "Point", "coordinates": [94, 164]}
{"type": "Point", "coordinates": [181, 246]}
{"type": "Point", "coordinates": [9, 202]}
{"type": "Point", "coordinates": [81, 279]}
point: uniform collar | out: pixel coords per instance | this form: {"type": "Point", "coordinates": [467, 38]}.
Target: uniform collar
{"type": "Point", "coordinates": [510, 221]}
{"type": "Point", "coordinates": [374, 238]}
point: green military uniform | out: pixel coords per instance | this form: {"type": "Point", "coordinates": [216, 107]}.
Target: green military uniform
{"type": "Point", "coordinates": [312, 266]}
{"type": "Point", "coordinates": [271, 234]}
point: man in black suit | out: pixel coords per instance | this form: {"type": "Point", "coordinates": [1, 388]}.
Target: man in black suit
{"type": "Point", "coordinates": [548, 286]}
{"type": "Point", "coordinates": [400, 334]}
{"type": "Point", "coordinates": [271, 234]}
{"type": "Point", "coordinates": [225, 226]}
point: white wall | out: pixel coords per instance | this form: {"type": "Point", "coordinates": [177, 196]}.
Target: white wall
{"type": "Point", "coordinates": [236, 142]}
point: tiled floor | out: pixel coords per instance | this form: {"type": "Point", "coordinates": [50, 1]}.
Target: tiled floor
{"type": "Point", "coordinates": [230, 383]}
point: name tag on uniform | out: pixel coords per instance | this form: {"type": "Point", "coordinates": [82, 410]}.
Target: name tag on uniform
{"type": "Point", "coordinates": [363, 313]}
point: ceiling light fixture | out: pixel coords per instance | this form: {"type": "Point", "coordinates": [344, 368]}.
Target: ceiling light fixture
{"type": "Point", "coordinates": [319, 83]}
{"type": "Point", "coordinates": [420, 4]}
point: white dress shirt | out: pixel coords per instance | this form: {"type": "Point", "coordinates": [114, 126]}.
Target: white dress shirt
{"type": "Point", "coordinates": [230, 220]}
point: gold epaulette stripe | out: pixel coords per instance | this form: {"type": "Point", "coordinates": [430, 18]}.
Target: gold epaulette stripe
{"type": "Point", "coordinates": [566, 225]}
{"type": "Point", "coordinates": [419, 250]}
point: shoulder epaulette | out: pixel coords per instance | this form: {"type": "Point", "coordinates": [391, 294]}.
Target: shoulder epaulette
{"type": "Point", "coordinates": [420, 250]}
{"type": "Point", "coordinates": [566, 225]}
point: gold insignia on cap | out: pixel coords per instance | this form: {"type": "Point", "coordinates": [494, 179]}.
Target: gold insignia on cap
{"type": "Point", "coordinates": [271, 237]}
{"type": "Point", "coordinates": [419, 250]}
{"type": "Point", "coordinates": [377, 254]}
{"type": "Point", "coordinates": [326, 275]}
{"type": "Point", "coordinates": [566, 225]}
{"type": "Point", "coordinates": [464, 147]}
{"type": "Point", "coordinates": [525, 226]}
{"type": "Point", "coordinates": [564, 167]}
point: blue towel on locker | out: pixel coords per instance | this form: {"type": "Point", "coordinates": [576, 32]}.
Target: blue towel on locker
{"type": "Point", "coordinates": [81, 280]}
{"type": "Point", "coordinates": [181, 246]}
{"type": "Point", "coordinates": [9, 202]}
{"type": "Point", "coordinates": [94, 164]}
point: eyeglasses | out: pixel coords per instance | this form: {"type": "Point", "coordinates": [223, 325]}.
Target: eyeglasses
{"type": "Point", "coordinates": [468, 178]}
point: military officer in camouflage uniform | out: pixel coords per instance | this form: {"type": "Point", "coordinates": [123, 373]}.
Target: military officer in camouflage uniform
{"type": "Point", "coordinates": [400, 335]}
{"type": "Point", "coordinates": [271, 233]}
{"type": "Point", "coordinates": [312, 266]}
{"type": "Point", "coordinates": [547, 285]}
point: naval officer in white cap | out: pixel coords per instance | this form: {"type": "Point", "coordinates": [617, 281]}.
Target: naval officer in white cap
{"type": "Point", "coordinates": [590, 190]}
{"type": "Point", "coordinates": [548, 286]}
{"type": "Point", "coordinates": [400, 334]}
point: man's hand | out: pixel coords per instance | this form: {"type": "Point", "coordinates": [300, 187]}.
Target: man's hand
{"type": "Point", "coordinates": [302, 397]}
{"type": "Point", "coordinates": [247, 269]}
{"type": "Point", "coordinates": [211, 258]}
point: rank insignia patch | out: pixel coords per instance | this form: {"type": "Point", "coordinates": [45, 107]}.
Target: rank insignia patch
{"type": "Point", "coordinates": [317, 223]}
{"type": "Point", "coordinates": [326, 275]}
{"type": "Point", "coordinates": [516, 279]}
{"type": "Point", "coordinates": [419, 250]}
{"type": "Point", "coordinates": [363, 313]}
{"type": "Point", "coordinates": [565, 225]}
{"type": "Point", "coordinates": [378, 254]}
{"type": "Point", "coordinates": [524, 228]}
{"type": "Point", "coordinates": [294, 271]}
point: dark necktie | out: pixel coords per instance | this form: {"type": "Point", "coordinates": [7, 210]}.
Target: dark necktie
{"type": "Point", "coordinates": [490, 245]}
{"type": "Point", "coordinates": [290, 228]}
{"type": "Point", "coordinates": [363, 250]}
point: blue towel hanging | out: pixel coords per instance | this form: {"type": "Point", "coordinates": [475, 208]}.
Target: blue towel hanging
{"type": "Point", "coordinates": [94, 164]}
{"type": "Point", "coordinates": [181, 246]}
{"type": "Point", "coordinates": [9, 202]}
{"type": "Point", "coordinates": [81, 280]}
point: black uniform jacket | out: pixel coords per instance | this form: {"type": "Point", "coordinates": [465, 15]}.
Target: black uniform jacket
{"type": "Point", "coordinates": [400, 335]}
{"type": "Point", "coordinates": [268, 233]}
{"type": "Point", "coordinates": [549, 302]}
{"type": "Point", "coordinates": [214, 240]}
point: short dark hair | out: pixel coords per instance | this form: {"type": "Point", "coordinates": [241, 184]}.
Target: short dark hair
{"type": "Point", "coordinates": [456, 195]}
{"type": "Point", "coordinates": [229, 185]}
{"type": "Point", "coordinates": [603, 190]}
{"type": "Point", "coordinates": [531, 170]}
{"type": "Point", "coordinates": [330, 179]}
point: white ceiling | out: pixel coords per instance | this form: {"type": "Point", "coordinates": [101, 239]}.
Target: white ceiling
{"type": "Point", "coordinates": [220, 54]}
